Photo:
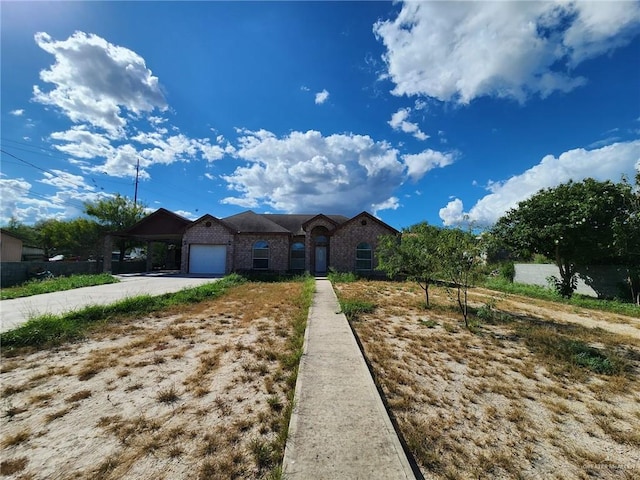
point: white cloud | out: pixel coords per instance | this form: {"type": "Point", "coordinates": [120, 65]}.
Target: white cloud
{"type": "Point", "coordinates": [606, 163]}
{"type": "Point", "coordinates": [186, 214]}
{"type": "Point", "coordinates": [210, 176]}
{"type": "Point", "coordinates": [95, 80]}
{"type": "Point", "coordinates": [399, 122]}
{"type": "Point", "coordinates": [14, 192]}
{"type": "Point", "coordinates": [322, 97]}
{"type": "Point", "coordinates": [453, 213]}
{"type": "Point", "coordinates": [306, 171]}
{"type": "Point", "coordinates": [420, 163]}
{"type": "Point", "coordinates": [149, 148]}
{"type": "Point", "coordinates": [463, 50]}
{"type": "Point", "coordinates": [391, 203]}
{"type": "Point", "coordinates": [82, 143]}
{"type": "Point", "coordinates": [65, 180]}
{"type": "Point", "coordinates": [17, 112]}
{"type": "Point", "coordinates": [25, 205]}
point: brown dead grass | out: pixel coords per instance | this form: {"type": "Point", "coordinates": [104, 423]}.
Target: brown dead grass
{"type": "Point", "coordinates": [200, 393]}
{"type": "Point", "coordinates": [496, 401]}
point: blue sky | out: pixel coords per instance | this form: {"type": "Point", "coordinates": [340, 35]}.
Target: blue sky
{"type": "Point", "coordinates": [440, 111]}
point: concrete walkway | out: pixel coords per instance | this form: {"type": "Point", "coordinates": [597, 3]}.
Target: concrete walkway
{"type": "Point", "coordinates": [17, 311]}
{"type": "Point", "coordinates": [339, 429]}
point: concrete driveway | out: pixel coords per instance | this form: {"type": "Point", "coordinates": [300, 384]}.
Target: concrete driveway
{"type": "Point", "coordinates": [17, 311]}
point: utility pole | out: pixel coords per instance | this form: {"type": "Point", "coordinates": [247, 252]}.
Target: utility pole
{"type": "Point", "coordinates": [135, 195]}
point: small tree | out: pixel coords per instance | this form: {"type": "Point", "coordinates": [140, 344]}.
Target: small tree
{"type": "Point", "coordinates": [413, 255]}
{"type": "Point", "coordinates": [571, 223]}
{"type": "Point", "coordinates": [116, 214]}
{"type": "Point", "coordinates": [459, 253]}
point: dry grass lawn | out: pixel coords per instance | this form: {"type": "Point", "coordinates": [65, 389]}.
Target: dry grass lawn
{"type": "Point", "coordinates": [511, 398]}
{"type": "Point", "coordinates": [200, 393]}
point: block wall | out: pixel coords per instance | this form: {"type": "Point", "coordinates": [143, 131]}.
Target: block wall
{"type": "Point", "coordinates": [602, 281]}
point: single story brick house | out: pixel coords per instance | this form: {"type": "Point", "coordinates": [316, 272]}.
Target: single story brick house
{"type": "Point", "coordinates": [252, 241]}
{"type": "Point", "coordinates": [281, 242]}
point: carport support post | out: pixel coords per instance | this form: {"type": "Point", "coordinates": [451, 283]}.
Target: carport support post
{"type": "Point", "coordinates": [108, 247]}
{"type": "Point", "coordinates": [149, 256]}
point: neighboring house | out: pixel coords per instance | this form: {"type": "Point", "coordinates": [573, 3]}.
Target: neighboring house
{"type": "Point", "coordinates": [268, 242]}
{"type": "Point", "coordinates": [10, 247]}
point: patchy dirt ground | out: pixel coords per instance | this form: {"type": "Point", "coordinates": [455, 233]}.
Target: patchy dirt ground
{"type": "Point", "coordinates": [514, 396]}
{"type": "Point", "coordinates": [196, 393]}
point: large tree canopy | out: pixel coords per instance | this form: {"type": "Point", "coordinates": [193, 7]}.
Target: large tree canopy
{"type": "Point", "coordinates": [116, 214]}
{"type": "Point", "coordinates": [627, 238]}
{"type": "Point", "coordinates": [572, 223]}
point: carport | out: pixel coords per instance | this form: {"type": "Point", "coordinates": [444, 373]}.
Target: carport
{"type": "Point", "coordinates": [162, 226]}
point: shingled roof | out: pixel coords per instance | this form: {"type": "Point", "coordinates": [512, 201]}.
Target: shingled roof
{"type": "Point", "coordinates": [294, 222]}
{"type": "Point", "coordinates": [251, 222]}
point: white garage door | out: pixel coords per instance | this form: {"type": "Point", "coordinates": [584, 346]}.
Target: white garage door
{"type": "Point", "coordinates": [207, 259]}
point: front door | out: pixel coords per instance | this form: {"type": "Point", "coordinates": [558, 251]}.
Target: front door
{"type": "Point", "coordinates": [321, 259]}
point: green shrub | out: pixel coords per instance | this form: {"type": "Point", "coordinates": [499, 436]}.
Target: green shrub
{"type": "Point", "coordinates": [352, 309]}
{"type": "Point", "coordinates": [508, 271]}
{"type": "Point", "coordinates": [341, 277]}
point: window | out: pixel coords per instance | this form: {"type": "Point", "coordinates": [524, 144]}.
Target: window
{"type": "Point", "coordinates": [363, 257]}
{"type": "Point", "coordinates": [321, 240]}
{"type": "Point", "coordinates": [297, 256]}
{"type": "Point", "coordinates": [261, 255]}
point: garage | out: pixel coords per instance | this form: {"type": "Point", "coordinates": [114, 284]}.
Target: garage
{"type": "Point", "coordinates": [208, 259]}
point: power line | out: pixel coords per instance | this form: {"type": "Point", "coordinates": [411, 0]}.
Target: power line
{"type": "Point", "coordinates": [31, 193]}
{"type": "Point", "coordinates": [39, 150]}
{"type": "Point", "coordinates": [43, 151]}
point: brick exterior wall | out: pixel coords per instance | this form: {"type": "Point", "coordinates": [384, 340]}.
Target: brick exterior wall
{"type": "Point", "coordinates": [279, 246]}
{"type": "Point", "coordinates": [345, 240]}
{"type": "Point", "coordinates": [215, 234]}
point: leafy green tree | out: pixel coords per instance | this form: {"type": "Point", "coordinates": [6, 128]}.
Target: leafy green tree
{"type": "Point", "coordinates": [626, 229]}
{"type": "Point", "coordinates": [26, 233]}
{"type": "Point", "coordinates": [116, 214]}
{"type": "Point", "coordinates": [571, 223]}
{"type": "Point", "coordinates": [460, 260]}
{"type": "Point", "coordinates": [412, 255]}
{"type": "Point", "coordinates": [52, 237]}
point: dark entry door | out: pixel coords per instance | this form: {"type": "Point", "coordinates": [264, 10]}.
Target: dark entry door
{"type": "Point", "coordinates": [321, 259]}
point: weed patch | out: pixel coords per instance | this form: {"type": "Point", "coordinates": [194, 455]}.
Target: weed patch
{"type": "Point", "coordinates": [12, 466]}
{"type": "Point", "coordinates": [568, 352]}
{"type": "Point", "coordinates": [37, 287]}
{"type": "Point", "coordinates": [352, 309]}
{"type": "Point", "coordinates": [49, 330]}
{"type": "Point", "coordinates": [500, 399]}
